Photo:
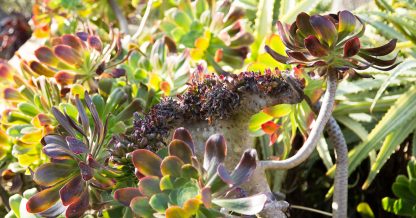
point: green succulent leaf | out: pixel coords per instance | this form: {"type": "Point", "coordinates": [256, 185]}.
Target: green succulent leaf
{"type": "Point", "coordinates": [141, 207]}
{"type": "Point", "coordinates": [159, 202]}
{"type": "Point", "coordinates": [247, 206]}
{"type": "Point", "coordinates": [147, 162]}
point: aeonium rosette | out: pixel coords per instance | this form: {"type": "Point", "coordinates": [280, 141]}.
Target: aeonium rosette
{"type": "Point", "coordinates": [80, 58]}
{"type": "Point", "coordinates": [331, 41]}
{"type": "Point", "coordinates": [77, 167]}
{"type": "Point", "coordinates": [177, 185]}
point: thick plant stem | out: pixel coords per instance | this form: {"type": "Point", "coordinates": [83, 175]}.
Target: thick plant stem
{"type": "Point", "coordinates": [315, 134]}
{"type": "Point", "coordinates": [340, 198]}
{"type": "Point", "coordinates": [122, 21]}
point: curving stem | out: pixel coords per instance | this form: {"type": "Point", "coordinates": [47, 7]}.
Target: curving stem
{"type": "Point", "coordinates": [120, 17]}
{"type": "Point", "coordinates": [340, 198]}
{"type": "Point", "coordinates": [315, 134]}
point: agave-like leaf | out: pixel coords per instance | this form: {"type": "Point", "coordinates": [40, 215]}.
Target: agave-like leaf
{"type": "Point", "coordinates": [46, 55]}
{"type": "Point", "coordinates": [76, 145]}
{"type": "Point", "coordinates": [172, 166]}
{"type": "Point", "coordinates": [78, 208]}
{"type": "Point", "coordinates": [141, 207]}
{"type": "Point", "coordinates": [40, 69]}
{"type": "Point", "coordinates": [315, 47]}
{"type": "Point", "coordinates": [381, 50]}
{"type": "Point", "coordinates": [181, 150]}
{"type": "Point", "coordinates": [352, 47]}
{"type": "Point", "coordinates": [72, 191]}
{"type": "Point", "coordinates": [184, 135]}
{"type": "Point", "coordinates": [147, 162]}
{"type": "Point", "coordinates": [304, 25]}
{"type": "Point", "coordinates": [149, 185]}
{"type": "Point", "coordinates": [52, 173]}
{"type": "Point", "coordinates": [43, 200]}
{"type": "Point", "coordinates": [325, 29]}
{"type": "Point", "coordinates": [125, 195]}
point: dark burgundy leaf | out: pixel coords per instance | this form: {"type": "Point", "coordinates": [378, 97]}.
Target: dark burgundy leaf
{"type": "Point", "coordinates": [72, 191]}
{"type": "Point", "coordinates": [325, 29]}
{"type": "Point", "coordinates": [382, 50]}
{"type": "Point", "coordinates": [86, 171]}
{"type": "Point", "coordinates": [304, 25]}
{"type": "Point", "coordinates": [315, 47]}
{"type": "Point", "coordinates": [352, 47]}
{"type": "Point", "coordinates": [78, 208]}
{"type": "Point", "coordinates": [125, 195]}
{"type": "Point", "coordinates": [278, 57]}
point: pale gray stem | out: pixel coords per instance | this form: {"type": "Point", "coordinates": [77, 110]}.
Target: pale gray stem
{"type": "Point", "coordinates": [315, 134]}
{"type": "Point", "coordinates": [340, 198]}
{"type": "Point", "coordinates": [122, 21]}
{"type": "Point", "coordinates": [143, 21]}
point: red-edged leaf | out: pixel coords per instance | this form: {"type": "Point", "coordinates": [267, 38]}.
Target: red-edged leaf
{"type": "Point", "coordinates": [78, 208]}
{"type": "Point", "coordinates": [86, 171]}
{"type": "Point", "coordinates": [184, 135]}
{"type": "Point", "coordinates": [325, 29]}
{"type": "Point", "coordinates": [315, 47]}
{"type": "Point", "coordinates": [40, 69]}
{"type": "Point", "coordinates": [172, 166]}
{"type": "Point", "coordinates": [181, 150]}
{"type": "Point", "coordinates": [141, 207]}
{"type": "Point", "coordinates": [125, 195]}
{"type": "Point", "coordinates": [57, 152]}
{"type": "Point", "coordinates": [352, 47]}
{"type": "Point", "coordinates": [72, 41]}
{"type": "Point", "coordinates": [76, 145]}
{"type": "Point", "coordinates": [346, 24]}
{"type": "Point", "coordinates": [382, 50]}
{"type": "Point", "coordinates": [64, 78]}
{"type": "Point", "coordinates": [278, 57]}
{"type": "Point", "coordinates": [72, 191]}
{"type": "Point", "coordinates": [304, 25]}
{"type": "Point", "coordinates": [50, 174]}
{"type": "Point", "coordinates": [149, 185]}
{"type": "Point", "coordinates": [269, 127]}
{"type": "Point", "coordinates": [67, 54]}
{"type": "Point", "coordinates": [46, 55]}
{"type": "Point", "coordinates": [43, 200]}
{"type": "Point", "coordinates": [95, 42]}
{"type": "Point", "coordinates": [147, 162]}
{"type": "Point", "coordinates": [273, 138]}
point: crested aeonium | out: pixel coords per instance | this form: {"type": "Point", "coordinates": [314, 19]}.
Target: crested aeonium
{"type": "Point", "coordinates": [329, 45]}
{"type": "Point", "coordinates": [77, 171]}
{"type": "Point", "coordinates": [177, 185]}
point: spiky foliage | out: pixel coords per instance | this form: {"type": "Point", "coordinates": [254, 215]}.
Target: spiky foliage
{"type": "Point", "coordinates": [178, 185]}
{"type": "Point", "coordinates": [81, 58]}
{"type": "Point", "coordinates": [208, 98]}
{"type": "Point", "coordinates": [77, 166]}
{"type": "Point", "coordinates": [215, 31]}
{"type": "Point", "coordinates": [319, 42]}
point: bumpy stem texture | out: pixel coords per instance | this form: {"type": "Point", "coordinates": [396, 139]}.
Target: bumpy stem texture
{"type": "Point", "coordinates": [311, 142]}
{"type": "Point", "coordinates": [340, 198]}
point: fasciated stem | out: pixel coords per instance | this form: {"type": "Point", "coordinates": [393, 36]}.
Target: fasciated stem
{"type": "Point", "coordinates": [315, 134]}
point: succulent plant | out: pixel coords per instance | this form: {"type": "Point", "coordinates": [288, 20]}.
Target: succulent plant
{"type": "Point", "coordinates": [14, 31]}
{"type": "Point", "coordinates": [333, 41]}
{"type": "Point", "coordinates": [77, 169]}
{"type": "Point", "coordinates": [178, 185]}
{"type": "Point", "coordinates": [405, 191]}
{"type": "Point", "coordinates": [215, 32]}
{"type": "Point", "coordinates": [209, 97]}
{"type": "Point", "coordinates": [81, 58]}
